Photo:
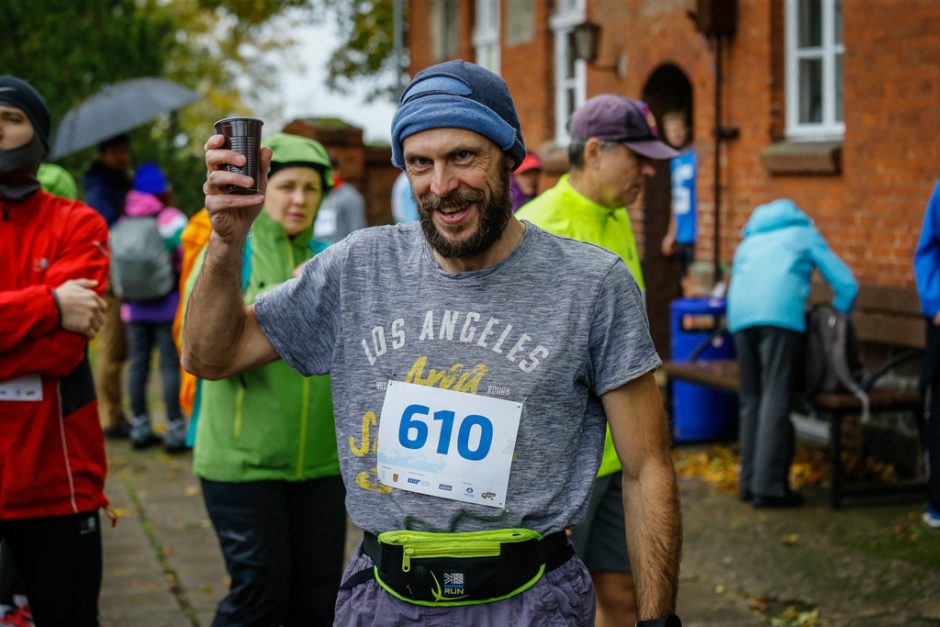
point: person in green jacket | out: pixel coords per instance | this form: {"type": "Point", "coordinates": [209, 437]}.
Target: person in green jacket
{"type": "Point", "coordinates": [613, 143]}
{"type": "Point", "coordinates": [265, 446]}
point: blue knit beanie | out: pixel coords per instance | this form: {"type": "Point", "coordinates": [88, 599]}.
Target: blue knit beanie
{"type": "Point", "coordinates": [457, 94]}
{"type": "Point", "coordinates": [149, 179]}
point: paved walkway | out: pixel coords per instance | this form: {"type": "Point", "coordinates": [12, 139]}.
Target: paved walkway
{"type": "Point", "coordinates": [865, 565]}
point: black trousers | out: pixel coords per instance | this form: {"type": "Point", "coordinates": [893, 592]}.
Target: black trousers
{"type": "Point", "coordinates": [59, 563]}
{"type": "Point", "coordinates": [766, 356]}
{"type": "Point", "coordinates": [931, 383]}
{"type": "Point", "coordinates": [283, 544]}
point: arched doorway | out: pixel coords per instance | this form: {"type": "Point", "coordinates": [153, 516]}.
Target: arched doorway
{"type": "Point", "coordinates": [668, 89]}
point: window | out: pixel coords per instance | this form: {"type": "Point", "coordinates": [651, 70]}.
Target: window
{"type": "Point", "coordinates": [486, 34]}
{"type": "Point", "coordinates": [814, 52]}
{"type": "Point", "coordinates": [445, 29]}
{"type": "Point", "coordinates": [570, 74]}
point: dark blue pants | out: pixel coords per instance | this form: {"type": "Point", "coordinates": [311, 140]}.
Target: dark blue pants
{"type": "Point", "coordinates": [59, 563]}
{"type": "Point", "coordinates": [931, 383]}
{"type": "Point", "coordinates": [142, 338]}
{"type": "Point", "coordinates": [766, 358]}
{"type": "Point", "coordinates": [283, 544]}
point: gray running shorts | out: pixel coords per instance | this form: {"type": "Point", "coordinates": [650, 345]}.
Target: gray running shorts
{"type": "Point", "coordinates": [563, 597]}
{"type": "Point", "coordinates": [600, 539]}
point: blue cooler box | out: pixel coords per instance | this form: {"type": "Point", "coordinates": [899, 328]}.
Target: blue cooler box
{"type": "Point", "coordinates": [700, 413]}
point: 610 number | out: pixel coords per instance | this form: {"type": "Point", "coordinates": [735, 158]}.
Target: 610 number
{"type": "Point", "coordinates": [413, 433]}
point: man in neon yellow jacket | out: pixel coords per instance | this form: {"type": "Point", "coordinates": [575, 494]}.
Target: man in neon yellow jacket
{"type": "Point", "coordinates": [265, 447]}
{"type": "Point", "coordinates": [613, 142]}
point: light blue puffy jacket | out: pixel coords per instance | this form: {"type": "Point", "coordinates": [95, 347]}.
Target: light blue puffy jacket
{"type": "Point", "coordinates": [773, 266]}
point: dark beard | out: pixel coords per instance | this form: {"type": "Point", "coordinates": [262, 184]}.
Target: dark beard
{"type": "Point", "coordinates": [494, 216]}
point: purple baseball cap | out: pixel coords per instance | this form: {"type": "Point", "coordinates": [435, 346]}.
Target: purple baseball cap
{"type": "Point", "coordinates": [613, 118]}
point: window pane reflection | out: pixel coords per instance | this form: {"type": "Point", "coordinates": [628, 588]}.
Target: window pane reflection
{"type": "Point", "coordinates": [810, 23]}
{"type": "Point", "coordinates": [810, 74]}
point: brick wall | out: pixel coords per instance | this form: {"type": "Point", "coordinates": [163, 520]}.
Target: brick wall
{"type": "Point", "coordinates": [367, 168]}
{"type": "Point", "coordinates": [870, 212]}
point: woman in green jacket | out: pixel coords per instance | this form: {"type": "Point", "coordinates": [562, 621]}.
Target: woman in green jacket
{"type": "Point", "coordinates": [265, 441]}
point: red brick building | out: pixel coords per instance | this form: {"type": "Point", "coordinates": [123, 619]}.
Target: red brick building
{"type": "Point", "coordinates": [834, 105]}
{"type": "Point", "coordinates": [367, 168]}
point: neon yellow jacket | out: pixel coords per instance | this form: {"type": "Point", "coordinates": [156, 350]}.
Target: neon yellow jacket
{"type": "Point", "coordinates": [565, 211]}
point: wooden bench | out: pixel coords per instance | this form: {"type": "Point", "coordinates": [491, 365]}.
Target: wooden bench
{"type": "Point", "coordinates": [887, 317]}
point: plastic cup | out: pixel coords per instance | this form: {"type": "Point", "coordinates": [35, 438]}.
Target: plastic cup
{"type": "Point", "coordinates": [243, 135]}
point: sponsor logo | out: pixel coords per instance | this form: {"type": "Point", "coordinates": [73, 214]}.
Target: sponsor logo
{"type": "Point", "coordinates": [452, 590]}
{"type": "Point", "coordinates": [488, 495]}
{"type": "Point", "coordinates": [445, 486]}
{"type": "Point", "coordinates": [413, 480]}
{"type": "Point", "coordinates": [469, 490]}
{"type": "Point", "coordinates": [453, 584]}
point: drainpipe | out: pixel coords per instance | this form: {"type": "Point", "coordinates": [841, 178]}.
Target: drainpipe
{"type": "Point", "coordinates": [718, 137]}
{"type": "Point", "coordinates": [398, 45]}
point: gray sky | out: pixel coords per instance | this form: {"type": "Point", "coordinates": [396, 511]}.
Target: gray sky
{"type": "Point", "coordinates": [304, 92]}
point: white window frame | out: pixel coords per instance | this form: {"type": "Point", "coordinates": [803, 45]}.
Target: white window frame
{"type": "Point", "coordinates": [486, 34]}
{"type": "Point", "coordinates": [570, 13]}
{"type": "Point", "coordinates": [829, 128]}
{"type": "Point", "coordinates": [441, 22]}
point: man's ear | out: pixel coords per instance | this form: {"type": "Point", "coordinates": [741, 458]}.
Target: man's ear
{"type": "Point", "coordinates": [592, 150]}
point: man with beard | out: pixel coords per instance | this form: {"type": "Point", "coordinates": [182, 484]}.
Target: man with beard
{"type": "Point", "coordinates": [475, 362]}
{"type": "Point", "coordinates": [52, 462]}
{"type": "Point", "coordinates": [613, 142]}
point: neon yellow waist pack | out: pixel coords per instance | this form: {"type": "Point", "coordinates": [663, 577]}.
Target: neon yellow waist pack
{"type": "Point", "coordinates": [442, 569]}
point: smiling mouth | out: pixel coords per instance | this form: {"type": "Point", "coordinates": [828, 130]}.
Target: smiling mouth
{"type": "Point", "coordinates": [452, 210]}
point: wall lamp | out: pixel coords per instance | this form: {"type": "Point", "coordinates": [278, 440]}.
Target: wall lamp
{"type": "Point", "coordinates": [585, 39]}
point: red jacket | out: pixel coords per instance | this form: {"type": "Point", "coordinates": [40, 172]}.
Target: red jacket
{"type": "Point", "coordinates": [52, 459]}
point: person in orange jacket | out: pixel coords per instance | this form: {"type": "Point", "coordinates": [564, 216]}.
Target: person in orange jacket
{"type": "Point", "coordinates": [195, 237]}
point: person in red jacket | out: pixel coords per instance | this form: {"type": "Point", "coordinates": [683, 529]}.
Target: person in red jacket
{"type": "Point", "coordinates": [53, 270]}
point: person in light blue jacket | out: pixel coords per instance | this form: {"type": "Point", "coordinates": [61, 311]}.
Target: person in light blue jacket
{"type": "Point", "coordinates": [770, 283]}
{"type": "Point", "coordinates": [927, 272]}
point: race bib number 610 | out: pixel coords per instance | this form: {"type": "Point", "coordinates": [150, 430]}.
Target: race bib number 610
{"type": "Point", "coordinates": [448, 444]}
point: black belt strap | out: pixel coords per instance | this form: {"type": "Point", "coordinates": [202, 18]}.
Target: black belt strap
{"type": "Point", "coordinates": [553, 550]}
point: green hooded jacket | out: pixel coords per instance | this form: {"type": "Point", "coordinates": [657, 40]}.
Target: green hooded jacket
{"type": "Point", "coordinates": [269, 423]}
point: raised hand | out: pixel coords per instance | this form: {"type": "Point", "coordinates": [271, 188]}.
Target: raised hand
{"type": "Point", "coordinates": [82, 308]}
{"type": "Point", "coordinates": [231, 214]}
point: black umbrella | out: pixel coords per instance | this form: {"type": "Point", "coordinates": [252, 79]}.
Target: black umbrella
{"type": "Point", "coordinates": [117, 109]}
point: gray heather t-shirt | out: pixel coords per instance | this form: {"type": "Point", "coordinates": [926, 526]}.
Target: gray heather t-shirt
{"type": "Point", "coordinates": [554, 326]}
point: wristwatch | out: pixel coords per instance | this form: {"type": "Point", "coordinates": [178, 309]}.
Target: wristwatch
{"type": "Point", "coordinates": [672, 620]}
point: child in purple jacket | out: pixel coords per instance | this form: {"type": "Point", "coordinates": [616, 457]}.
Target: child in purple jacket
{"type": "Point", "coordinates": [149, 323]}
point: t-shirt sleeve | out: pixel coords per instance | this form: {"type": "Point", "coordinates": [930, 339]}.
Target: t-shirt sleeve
{"type": "Point", "coordinates": [620, 344]}
{"type": "Point", "coordinates": [301, 317]}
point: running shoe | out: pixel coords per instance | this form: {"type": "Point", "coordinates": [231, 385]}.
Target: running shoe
{"type": "Point", "coordinates": [20, 617]}
{"type": "Point", "coordinates": [932, 517]}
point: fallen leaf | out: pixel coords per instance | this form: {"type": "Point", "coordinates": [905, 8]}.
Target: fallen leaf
{"type": "Point", "coordinates": [758, 604]}
{"type": "Point", "coordinates": [789, 539]}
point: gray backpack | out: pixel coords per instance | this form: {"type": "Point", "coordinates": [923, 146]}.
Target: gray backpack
{"type": "Point", "coordinates": [140, 265]}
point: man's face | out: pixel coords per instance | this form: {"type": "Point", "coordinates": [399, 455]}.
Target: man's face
{"type": "Point", "coordinates": [117, 157]}
{"type": "Point", "coordinates": [461, 182]}
{"type": "Point", "coordinates": [676, 131]}
{"type": "Point", "coordinates": [528, 182]}
{"type": "Point", "coordinates": [293, 197]}
{"type": "Point", "coordinates": [15, 128]}
{"type": "Point", "coordinates": [621, 175]}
